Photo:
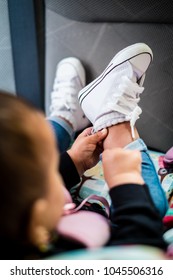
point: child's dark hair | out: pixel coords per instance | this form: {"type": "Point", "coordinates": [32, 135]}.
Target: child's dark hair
{"type": "Point", "coordinates": [22, 179]}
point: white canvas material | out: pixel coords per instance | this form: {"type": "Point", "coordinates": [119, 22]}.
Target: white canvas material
{"type": "Point", "coordinates": [69, 80]}
{"type": "Point", "coordinates": [113, 97]}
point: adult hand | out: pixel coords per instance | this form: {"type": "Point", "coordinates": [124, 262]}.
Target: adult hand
{"type": "Point", "coordinates": [86, 149]}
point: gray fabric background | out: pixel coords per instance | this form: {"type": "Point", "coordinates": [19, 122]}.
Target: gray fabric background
{"type": "Point", "coordinates": [96, 43]}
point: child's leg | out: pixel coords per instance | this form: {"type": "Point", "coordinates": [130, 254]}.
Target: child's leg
{"type": "Point", "coordinates": [120, 136]}
{"type": "Point", "coordinates": [150, 177]}
{"type": "Point", "coordinates": [66, 116]}
{"type": "Point", "coordinates": [63, 131]}
{"type": "Point", "coordinates": [111, 101]}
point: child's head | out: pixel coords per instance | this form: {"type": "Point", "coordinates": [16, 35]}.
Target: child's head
{"type": "Point", "coordinates": [30, 185]}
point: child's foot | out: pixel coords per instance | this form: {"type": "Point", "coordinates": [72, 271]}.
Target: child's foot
{"type": "Point", "coordinates": [69, 80]}
{"type": "Point", "coordinates": [113, 97]}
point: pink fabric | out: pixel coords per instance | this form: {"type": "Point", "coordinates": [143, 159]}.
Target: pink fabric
{"type": "Point", "coordinates": [170, 251]}
{"type": "Point", "coordinates": [168, 158]}
{"type": "Point", "coordinates": [89, 228]}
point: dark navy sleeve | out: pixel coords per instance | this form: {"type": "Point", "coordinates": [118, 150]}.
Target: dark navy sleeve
{"type": "Point", "coordinates": [68, 171]}
{"type": "Point", "coordinates": [134, 218]}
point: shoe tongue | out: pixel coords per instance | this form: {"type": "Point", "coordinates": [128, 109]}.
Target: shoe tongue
{"type": "Point", "coordinates": [130, 73]}
{"type": "Point", "coordinates": [138, 77]}
{"type": "Point", "coordinates": [137, 74]}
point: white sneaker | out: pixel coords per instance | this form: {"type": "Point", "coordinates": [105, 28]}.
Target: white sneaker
{"type": "Point", "coordinates": [113, 97]}
{"type": "Point", "coordinates": [69, 80]}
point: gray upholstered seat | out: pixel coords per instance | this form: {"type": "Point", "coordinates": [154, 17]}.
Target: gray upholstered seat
{"type": "Point", "coordinates": [94, 30]}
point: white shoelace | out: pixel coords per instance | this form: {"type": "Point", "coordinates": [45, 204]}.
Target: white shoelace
{"type": "Point", "coordinates": [125, 101]}
{"type": "Point", "coordinates": [63, 96]}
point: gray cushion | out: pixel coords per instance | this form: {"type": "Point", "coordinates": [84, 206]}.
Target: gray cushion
{"type": "Point", "coordinates": [114, 10]}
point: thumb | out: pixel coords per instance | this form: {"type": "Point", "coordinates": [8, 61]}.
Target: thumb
{"type": "Point", "coordinates": [98, 136]}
